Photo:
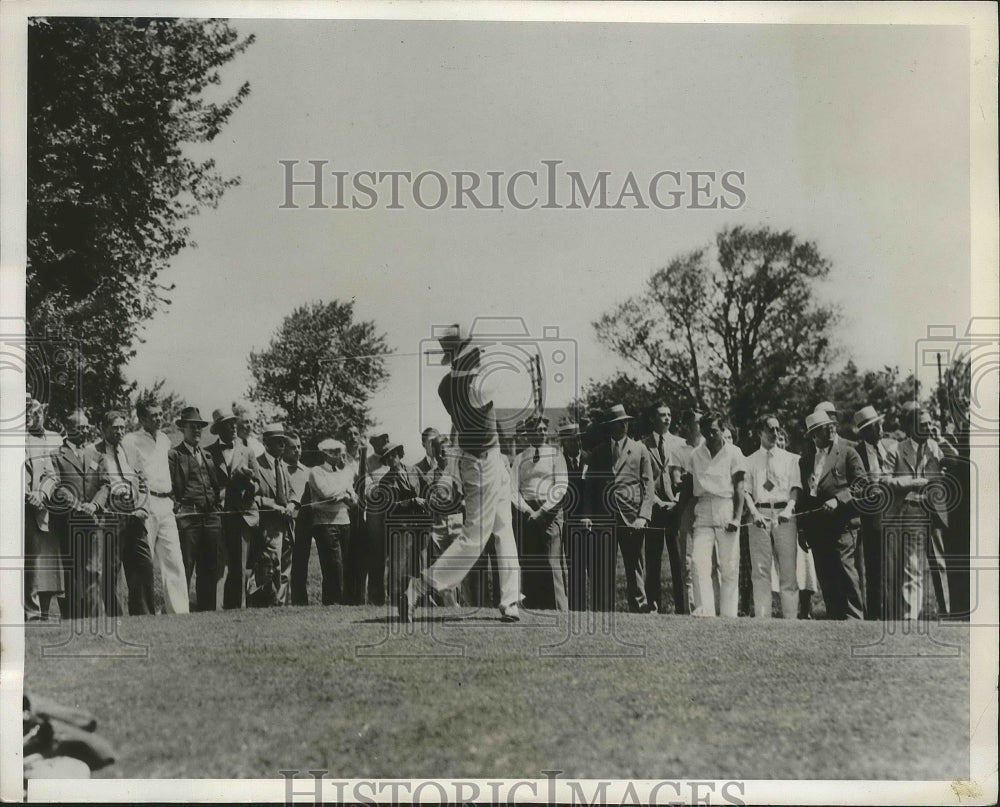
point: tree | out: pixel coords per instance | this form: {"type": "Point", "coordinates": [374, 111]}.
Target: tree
{"type": "Point", "coordinates": [111, 103]}
{"type": "Point", "coordinates": [735, 327]}
{"type": "Point", "coordinates": [320, 369]}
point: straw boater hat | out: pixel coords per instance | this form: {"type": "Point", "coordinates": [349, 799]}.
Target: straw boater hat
{"type": "Point", "coordinates": [866, 416]}
{"type": "Point", "coordinates": [273, 430]}
{"type": "Point", "coordinates": [817, 419]}
{"type": "Point", "coordinates": [569, 430]}
{"type": "Point", "coordinates": [826, 406]}
{"type": "Point", "coordinates": [329, 444]}
{"type": "Point", "coordinates": [220, 416]}
{"type": "Point", "coordinates": [615, 414]}
{"type": "Point", "coordinates": [191, 414]}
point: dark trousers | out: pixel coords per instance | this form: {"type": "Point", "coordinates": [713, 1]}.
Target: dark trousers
{"type": "Point", "coordinates": [630, 542]}
{"type": "Point", "coordinates": [592, 565]}
{"type": "Point", "coordinates": [236, 535]}
{"type": "Point", "coordinates": [369, 556]}
{"type": "Point", "coordinates": [83, 551]}
{"type": "Point", "coordinates": [201, 546]}
{"type": "Point", "coordinates": [834, 547]}
{"type": "Point", "coordinates": [332, 542]}
{"type": "Point", "coordinates": [676, 556]}
{"type": "Point", "coordinates": [870, 570]}
{"type": "Point", "coordinates": [126, 547]}
{"type": "Point", "coordinates": [543, 566]}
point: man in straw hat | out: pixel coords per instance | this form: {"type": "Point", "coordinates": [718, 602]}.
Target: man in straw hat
{"type": "Point", "coordinates": [917, 520]}
{"type": "Point", "coordinates": [236, 468]}
{"type": "Point", "coordinates": [878, 456]}
{"type": "Point", "coordinates": [270, 557]}
{"type": "Point", "coordinates": [484, 480]}
{"type": "Point", "coordinates": [197, 499]}
{"type": "Point", "coordinates": [148, 449]}
{"type": "Point", "coordinates": [831, 525]}
{"type": "Point", "coordinates": [620, 485]}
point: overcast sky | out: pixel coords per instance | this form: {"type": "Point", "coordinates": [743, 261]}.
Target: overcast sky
{"type": "Point", "coordinates": [854, 137]}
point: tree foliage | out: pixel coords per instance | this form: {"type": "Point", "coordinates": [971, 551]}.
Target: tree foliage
{"type": "Point", "coordinates": [320, 369]}
{"type": "Point", "coordinates": [733, 327]}
{"type": "Point", "coordinates": [111, 104]}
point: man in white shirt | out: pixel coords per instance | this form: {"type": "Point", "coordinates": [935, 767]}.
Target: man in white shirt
{"type": "Point", "coordinates": [773, 483]}
{"type": "Point", "coordinates": [147, 451]}
{"type": "Point", "coordinates": [717, 469]}
{"type": "Point", "coordinates": [539, 482]}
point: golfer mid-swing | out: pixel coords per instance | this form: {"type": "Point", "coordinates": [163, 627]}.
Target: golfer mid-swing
{"type": "Point", "coordinates": [484, 478]}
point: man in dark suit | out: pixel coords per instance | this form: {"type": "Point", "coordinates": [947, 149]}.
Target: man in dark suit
{"type": "Point", "coordinates": [236, 469]}
{"type": "Point", "coordinates": [72, 519]}
{"type": "Point", "coordinates": [121, 507]}
{"type": "Point", "coordinates": [917, 519]}
{"type": "Point", "coordinates": [878, 456]}
{"type": "Point", "coordinates": [575, 540]}
{"type": "Point", "coordinates": [830, 475]}
{"type": "Point", "coordinates": [197, 498]}
{"type": "Point", "coordinates": [620, 486]}
{"type": "Point", "coordinates": [660, 443]}
{"type": "Point", "coordinates": [270, 558]}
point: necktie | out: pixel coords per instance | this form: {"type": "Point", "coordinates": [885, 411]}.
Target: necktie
{"type": "Point", "coordinates": [920, 458]}
{"type": "Point", "coordinates": [616, 452]}
{"type": "Point", "coordinates": [879, 458]}
{"type": "Point", "coordinates": [537, 455]}
{"type": "Point", "coordinates": [659, 447]}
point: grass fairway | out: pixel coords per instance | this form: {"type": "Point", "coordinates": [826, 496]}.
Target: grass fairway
{"type": "Point", "coordinates": [246, 694]}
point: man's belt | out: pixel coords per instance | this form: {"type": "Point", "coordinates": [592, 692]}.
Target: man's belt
{"type": "Point", "coordinates": [775, 505]}
{"type": "Point", "coordinates": [159, 495]}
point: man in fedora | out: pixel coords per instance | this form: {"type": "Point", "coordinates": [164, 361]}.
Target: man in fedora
{"type": "Point", "coordinates": [831, 526]}
{"type": "Point", "coordinates": [917, 520]}
{"type": "Point", "coordinates": [148, 449]}
{"type": "Point", "coordinates": [878, 456]}
{"type": "Point", "coordinates": [773, 484]}
{"type": "Point", "coordinates": [236, 469]}
{"type": "Point", "coordinates": [468, 399]}
{"type": "Point", "coordinates": [620, 485]}
{"type": "Point", "coordinates": [197, 498]}
{"type": "Point", "coordinates": [270, 556]}
{"type": "Point", "coordinates": [539, 482]}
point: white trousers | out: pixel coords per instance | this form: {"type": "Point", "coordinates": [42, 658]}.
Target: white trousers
{"type": "Point", "coordinates": [487, 512]}
{"type": "Point", "coordinates": [165, 546]}
{"type": "Point", "coordinates": [775, 544]}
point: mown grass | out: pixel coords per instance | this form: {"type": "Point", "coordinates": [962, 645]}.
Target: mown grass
{"type": "Point", "coordinates": [249, 693]}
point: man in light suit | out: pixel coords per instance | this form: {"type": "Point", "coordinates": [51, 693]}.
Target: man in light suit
{"type": "Point", "coordinates": [916, 523]}
{"type": "Point", "coordinates": [878, 456]}
{"type": "Point", "coordinates": [43, 578]}
{"type": "Point", "coordinates": [829, 476]}
{"type": "Point", "coordinates": [623, 465]}
{"type": "Point", "coordinates": [660, 444]}
{"type": "Point", "coordinates": [122, 506]}
{"type": "Point", "coordinates": [236, 468]}
{"type": "Point", "coordinates": [270, 559]}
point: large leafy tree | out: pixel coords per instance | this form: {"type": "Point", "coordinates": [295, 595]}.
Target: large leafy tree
{"type": "Point", "coordinates": [734, 327]}
{"type": "Point", "coordinates": [112, 102]}
{"type": "Point", "coordinates": [320, 369]}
